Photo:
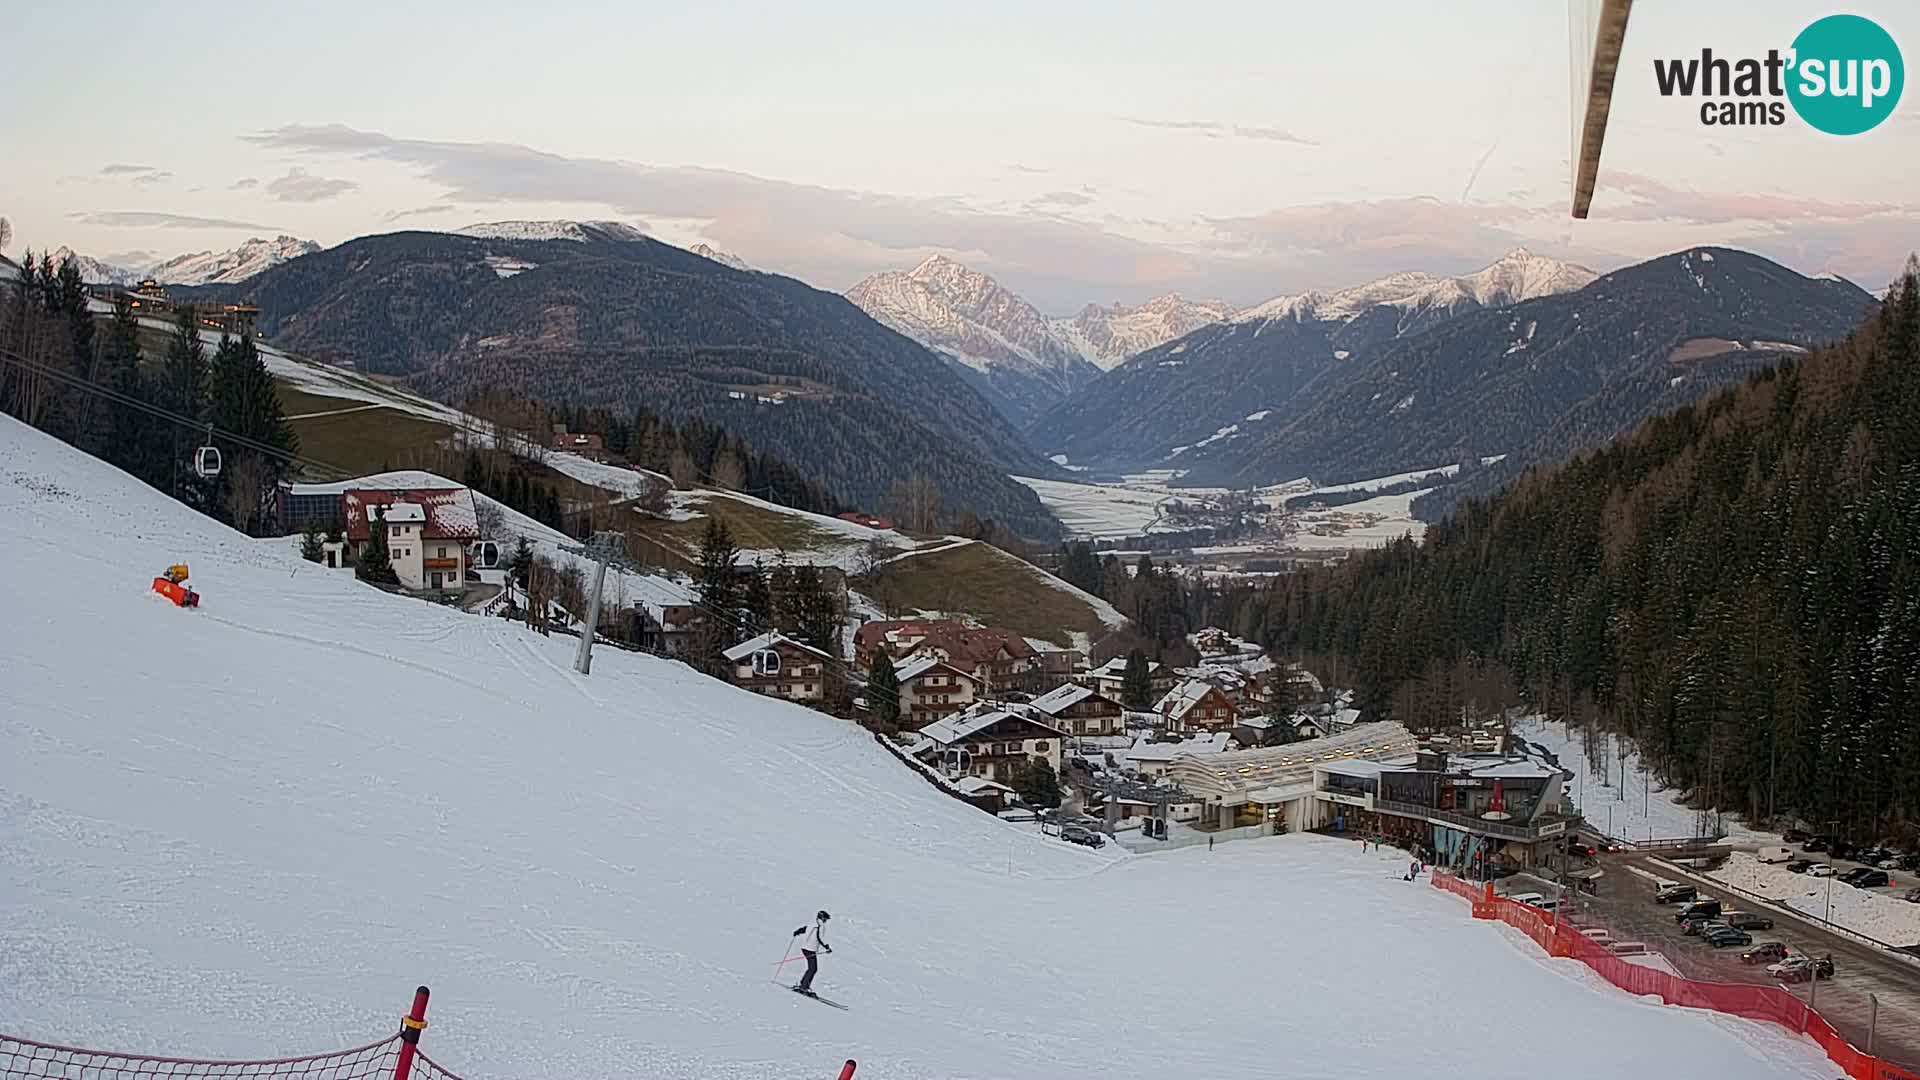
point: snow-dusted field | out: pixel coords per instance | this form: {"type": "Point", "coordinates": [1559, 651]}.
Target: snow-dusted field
{"type": "Point", "coordinates": [1626, 802]}
{"type": "Point", "coordinates": [1100, 511]}
{"type": "Point", "coordinates": [252, 828]}
{"type": "Point", "coordinates": [1392, 518]}
{"type": "Point", "coordinates": [1875, 913]}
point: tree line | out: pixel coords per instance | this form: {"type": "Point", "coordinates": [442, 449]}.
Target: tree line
{"type": "Point", "coordinates": [1735, 585]}
{"type": "Point", "coordinates": [76, 379]}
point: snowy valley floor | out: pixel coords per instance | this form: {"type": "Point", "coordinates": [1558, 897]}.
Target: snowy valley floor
{"type": "Point", "coordinates": [251, 829]}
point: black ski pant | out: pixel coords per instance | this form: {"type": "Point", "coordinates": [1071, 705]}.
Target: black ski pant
{"type": "Point", "coordinates": [813, 968]}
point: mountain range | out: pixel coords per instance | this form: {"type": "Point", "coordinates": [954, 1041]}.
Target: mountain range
{"type": "Point", "coordinates": [1219, 382]}
{"type": "Point", "coordinates": [598, 314]}
{"type": "Point", "coordinates": [196, 268]}
{"type": "Point", "coordinates": [1023, 361]}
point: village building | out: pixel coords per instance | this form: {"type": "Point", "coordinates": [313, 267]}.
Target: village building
{"type": "Point", "coordinates": [1274, 787]}
{"type": "Point", "coordinates": [930, 689]}
{"type": "Point", "coordinates": [593, 447]}
{"type": "Point", "coordinates": [999, 660]}
{"type": "Point", "coordinates": [778, 666]}
{"type": "Point", "coordinates": [1154, 759]}
{"type": "Point", "coordinates": [430, 524]}
{"type": "Point", "coordinates": [678, 624]}
{"type": "Point", "coordinates": [1197, 705]}
{"type": "Point", "coordinates": [1110, 678]}
{"type": "Point", "coordinates": [989, 743]}
{"type": "Point", "coordinates": [1469, 811]}
{"type": "Point", "coordinates": [1080, 710]}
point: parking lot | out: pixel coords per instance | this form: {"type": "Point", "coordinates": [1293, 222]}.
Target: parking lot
{"type": "Point", "coordinates": [1625, 907]}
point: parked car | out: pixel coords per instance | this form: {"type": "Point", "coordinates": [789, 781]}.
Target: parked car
{"type": "Point", "coordinates": [1891, 862]}
{"type": "Point", "coordinates": [1794, 836]}
{"type": "Point", "coordinates": [1800, 866]}
{"type": "Point", "coordinates": [1747, 920]}
{"type": "Point", "coordinates": [1766, 952]}
{"type": "Point", "coordinates": [1814, 843]}
{"type": "Point", "coordinates": [1840, 849]}
{"type": "Point", "coordinates": [1910, 862]}
{"type": "Point", "coordinates": [1708, 907]}
{"type": "Point", "coordinates": [1819, 869]}
{"type": "Point", "coordinates": [1726, 937]}
{"type": "Point", "coordinates": [1801, 968]}
{"type": "Point", "coordinates": [1773, 853]}
{"type": "Point", "coordinates": [1868, 879]}
{"type": "Point", "coordinates": [1701, 925]}
{"type": "Point", "coordinates": [1080, 834]}
{"type": "Point", "coordinates": [1672, 892]}
{"type": "Point", "coordinates": [1871, 856]}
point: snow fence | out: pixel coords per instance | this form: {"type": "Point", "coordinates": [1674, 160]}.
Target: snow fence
{"type": "Point", "coordinates": [1769, 1003]}
{"type": "Point", "coordinates": [396, 1057]}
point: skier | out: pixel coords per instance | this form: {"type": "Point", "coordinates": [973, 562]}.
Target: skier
{"type": "Point", "coordinates": [811, 946]}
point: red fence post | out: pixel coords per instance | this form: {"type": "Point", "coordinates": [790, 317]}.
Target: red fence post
{"type": "Point", "coordinates": [846, 1071]}
{"type": "Point", "coordinates": [410, 1027]}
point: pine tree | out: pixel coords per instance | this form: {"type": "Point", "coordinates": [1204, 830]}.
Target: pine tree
{"type": "Point", "coordinates": [883, 693]}
{"type": "Point", "coordinates": [182, 390]}
{"type": "Point", "coordinates": [376, 562]}
{"type": "Point", "coordinates": [310, 542]}
{"type": "Point", "coordinates": [717, 583]}
{"type": "Point", "coordinates": [1136, 681]}
{"type": "Point", "coordinates": [521, 563]}
{"type": "Point", "coordinates": [246, 404]}
{"type": "Point", "coordinates": [1037, 784]}
{"type": "Point", "coordinates": [756, 602]}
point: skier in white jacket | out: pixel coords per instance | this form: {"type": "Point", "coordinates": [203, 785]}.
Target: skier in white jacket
{"type": "Point", "coordinates": [811, 946]}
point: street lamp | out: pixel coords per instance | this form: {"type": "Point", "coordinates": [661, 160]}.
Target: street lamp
{"type": "Point", "coordinates": [1834, 831]}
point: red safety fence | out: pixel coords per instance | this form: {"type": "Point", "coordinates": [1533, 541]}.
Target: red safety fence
{"type": "Point", "coordinates": [396, 1057]}
{"type": "Point", "coordinates": [1769, 1003]}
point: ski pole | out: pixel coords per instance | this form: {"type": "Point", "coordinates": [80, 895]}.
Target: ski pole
{"type": "Point", "coordinates": [786, 958]}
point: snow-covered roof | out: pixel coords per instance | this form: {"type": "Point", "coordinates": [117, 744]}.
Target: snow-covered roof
{"type": "Point", "coordinates": [405, 513]}
{"type": "Point", "coordinates": [1346, 718]}
{"type": "Point", "coordinates": [1237, 772]}
{"type": "Point", "coordinates": [767, 641]}
{"type": "Point", "coordinates": [1061, 698]}
{"type": "Point", "coordinates": [399, 480]}
{"type": "Point", "coordinates": [974, 785]}
{"type": "Point", "coordinates": [1200, 745]}
{"type": "Point", "coordinates": [920, 664]}
{"type": "Point", "coordinates": [448, 512]}
{"type": "Point", "coordinates": [1181, 699]}
{"type": "Point", "coordinates": [952, 729]}
{"type": "Point", "coordinates": [1117, 667]}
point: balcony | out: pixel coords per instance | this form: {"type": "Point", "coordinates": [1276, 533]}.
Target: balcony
{"type": "Point", "coordinates": [1526, 832]}
{"type": "Point", "coordinates": [440, 564]}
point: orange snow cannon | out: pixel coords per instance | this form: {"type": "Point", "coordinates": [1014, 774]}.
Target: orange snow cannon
{"type": "Point", "coordinates": [172, 585]}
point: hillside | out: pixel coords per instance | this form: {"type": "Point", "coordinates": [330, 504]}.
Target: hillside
{"type": "Point", "coordinates": [284, 809]}
{"type": "Point", "coordinates": [599, 316]}
{"type": "Point", "coordinates": [1557, 374]}
{"type": "Point", "coordinates": [1192, 402]}
{"type": "Point", "coordinates": [1735, 584]}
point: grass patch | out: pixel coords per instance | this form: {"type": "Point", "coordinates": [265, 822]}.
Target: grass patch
{"type": "Point", "coordinates": [359, 442]}
{"type": "Point", "coordinates": [992, 586]}
{"type": "Point", "coordinates": [752, 527]}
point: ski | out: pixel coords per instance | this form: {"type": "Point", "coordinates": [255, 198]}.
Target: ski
{"type": "Point", "coordinates": [818, 998]}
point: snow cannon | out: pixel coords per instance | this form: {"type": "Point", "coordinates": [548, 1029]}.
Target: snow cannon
{"type": "Point", "coordinates": [172, 584]}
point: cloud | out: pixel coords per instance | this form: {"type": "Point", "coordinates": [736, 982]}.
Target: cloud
{"type": "Point", "coordinates": [1216, 129]}
{"type": "Point", "coordinates": [1063, 198]}
{"type": "Point", "coordinates": [829, 236]}
{"type": "Point", "coordinates": [301, 187]}
{"type": "Point", "coordinates": [1420, 224]}
{"type": "Point", "coordinates": [1019, 168]}
{"type": "Point", "coordinates": [152, 219]}
{"type": "Point", "coordinates": [139, 174]}
{"type": "Point", "coordinates": [244, 183]}
{"type": "Point", "coordinates": [1625, 196]}
{"type": "Point", "coordinates": [419, 211]}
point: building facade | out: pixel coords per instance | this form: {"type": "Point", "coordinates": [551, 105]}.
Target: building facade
{"type": "Point", "coordinates": [990, 743]}
{"type": "Point", "coordinates": [778, 666]}
{"type": "Point", "coordinates": [931, 689]}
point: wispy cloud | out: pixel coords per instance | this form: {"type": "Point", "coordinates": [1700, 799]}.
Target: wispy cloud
{"type": "Point", "coordinates": [1019, 168]}
{"type": "Point", "coordinates": [1219, 129]}
{"type": "Point", "coordinates": [419, 211]}
{"type": "Point", "coordinates": [1648, 199]}
{"type": "Point", "coordinates": [1063, 198]}
{"type": "Point", "coordinates": [244, 183]}
{"type": "Point", "coordinates": [153, 219]}
{"type": "Point", "coordinates": [299, 186]}
{"type": "Point", "coordinates": [139, 174]}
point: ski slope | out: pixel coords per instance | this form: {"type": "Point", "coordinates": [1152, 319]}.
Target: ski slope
{"type": "Point", "coordinates": [251, 829]}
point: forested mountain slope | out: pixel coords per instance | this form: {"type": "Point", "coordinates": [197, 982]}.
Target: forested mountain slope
{"type": "Point", "coordinates": [598, 315]}
{"type": "Point", "coordinates": [1736, 584]}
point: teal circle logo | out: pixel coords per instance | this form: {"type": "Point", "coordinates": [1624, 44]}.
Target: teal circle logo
{"type": "Point", "coordinates": [1847, 75]}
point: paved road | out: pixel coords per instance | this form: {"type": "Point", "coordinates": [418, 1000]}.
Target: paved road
{"type": "Point", "coordinates": [1625, 906]}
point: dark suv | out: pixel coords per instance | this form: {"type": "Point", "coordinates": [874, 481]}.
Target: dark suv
{"type": "Point", "coordinates": [1867, 879]}
{"type": "Point", "coordinates": [1676, 894]}
{"type": "Point", "coordinates": [1747, 920]}
{"type": "Point", "coordinates": [1709, 908]}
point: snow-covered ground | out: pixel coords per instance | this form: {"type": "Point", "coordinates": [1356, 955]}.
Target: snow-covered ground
{"type": "Point", "coordinates": [1878, 914]}
{"type": "Point", "coordinates": [1100, 511]}
{"type": "Point", "coordinates": [1622, 798]}
{"type": "Point", "coordinates": [253, 827]}
{"type": "Point", "coordinates": [1392, 517]}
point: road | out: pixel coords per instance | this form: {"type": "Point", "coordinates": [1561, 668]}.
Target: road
{"type": "Point", "coordinates": [1625, 906]}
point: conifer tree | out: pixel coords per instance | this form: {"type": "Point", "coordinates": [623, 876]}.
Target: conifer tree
{"type": "Point", "coordinates": [883, 693]}
{"type": "Point", "coordinates": [1136, 681]}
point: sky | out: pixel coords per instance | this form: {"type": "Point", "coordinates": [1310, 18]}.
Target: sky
{"type": "Point", "coordinates": [1080, 153]}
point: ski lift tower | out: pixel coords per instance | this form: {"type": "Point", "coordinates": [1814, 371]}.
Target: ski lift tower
{"type": "Point", "coordinates": [604, 548]}
{"type": "Point", "coordinates": [1158, 796]}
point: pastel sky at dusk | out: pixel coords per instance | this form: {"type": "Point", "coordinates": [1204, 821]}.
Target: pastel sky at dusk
{"type": "Point", "coordinates": [1079, 152]}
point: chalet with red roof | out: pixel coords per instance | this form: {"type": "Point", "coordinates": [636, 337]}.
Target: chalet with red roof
{"type": "Point", "coordinates": [427, 532]}
{"type": "Point", "coordinates": [589, 446]}
{"type": "Point", "coordinates": [1000, 660]}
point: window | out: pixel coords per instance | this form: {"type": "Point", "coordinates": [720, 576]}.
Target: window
{"type": "Point", "coordinates": [1040, 747]}
{"type": "Point", "coordinates": [443, 552]}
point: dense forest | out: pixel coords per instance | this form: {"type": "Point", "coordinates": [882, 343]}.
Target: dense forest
{"type": "Point", "coordinates": [1736, 585]}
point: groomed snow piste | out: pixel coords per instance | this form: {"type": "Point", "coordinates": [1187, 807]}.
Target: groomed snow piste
{"type": "Point", "coordinates": [252, 828]}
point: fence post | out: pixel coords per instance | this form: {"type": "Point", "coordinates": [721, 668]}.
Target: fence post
{"type": "Point", "coordinates": [846, 1071]}
{"type": "Point", "coordinates": [410, 1027]}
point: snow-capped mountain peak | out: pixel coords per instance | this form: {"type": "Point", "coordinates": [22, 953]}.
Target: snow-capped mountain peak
{"type": "Point", "coordinates": [1518, 275]}
{"type": "Point", "coordinates": [1106, 336]}
{"type": "Point", "coordinates": [577, 231]}
{"type": "Point", "coordinates": [239, 264]}
{"type": "Point", "coordinates": [93, 271]}
{"type": "Point", "coordinates": [724, 258]}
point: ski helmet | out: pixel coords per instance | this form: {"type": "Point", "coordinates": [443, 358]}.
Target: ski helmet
{"type": "Point", "coordinates": [822, 916]}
